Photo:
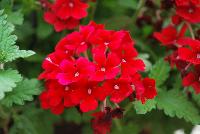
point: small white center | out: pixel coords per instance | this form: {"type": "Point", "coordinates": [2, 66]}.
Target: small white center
{"type": "Point", "coordinates": [66, 88]}
{"type": "Point", "coordinates": [198, 56]}
{"type": "Point", "coordinates": [76, 74]}
{"type": "Point", "coordinates": [49, 59]}
{"type": "Point", "coordinates": [66, 51]}
{"type": "Point", "coordinates": [83, 43]}
{"type": "Point", "coordinates": [71, 4]}
{"type": "Point", "coordinates": [133, 87]}
{"type": "Point", "coordinates": [89, 91]}
{"type": "Point", "coordinates": [106, 43]}
{"type": "Point", "coordinates": [103, 69]}
{"type": "Point", "coordinates": [116, 87]}
{"type": "Point", "coordinates": [190, 10]}
{"type": "Point", "coordinates": [123, 60]}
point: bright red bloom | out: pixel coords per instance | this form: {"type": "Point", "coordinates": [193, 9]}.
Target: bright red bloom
{"type": "Point", "coordinates": [73, 71]}
{"type": "Point", "coordinates": [106, 68]}
{"type": "Point", "coordinates": [64, 14]}
{"type": "Point", "coordinates": [90, 66]}
{"type": "Point", "coordinates": [119, 89]}
{"type": "Point", "coordinates": [193, 79]}
{"type": "Point", "coordinates": [188, 10]}
{"type": "Point", "coordinates": [169, 35]}
{"type": "Point", "coordinates": [150, 89]}
{"type": "Point", "coordinates": [60, 24]}
{"type": "Point", "coordinates": [52, 97]}
{"type": "Point", "coordinates": [192, 54]}
{"type": "Point", "coordinates": [70, 8]}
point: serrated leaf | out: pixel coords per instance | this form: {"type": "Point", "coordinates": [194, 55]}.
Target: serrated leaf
{"type": "Point", "coordinates": [175, 103]}
{"type": "Point", "coordinates": [8, 50]}
{"type": "Point", "coordinates": [160, 72]}
{"type": "Point", "coordinates": [144, 108]}
{"type": "Point", "coordinates": [24, 91]}
{"type": "Point", "coordinates": [8, 80]}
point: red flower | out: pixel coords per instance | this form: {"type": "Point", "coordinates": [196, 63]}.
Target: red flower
{"type": "Point", "coordinates": [70, 8]}
{"type": "Point", "coordinates": [106, 38]}
{"type": "Point", "coordinates": [73, 71]}
{"type": "Point", "coordinates": [90, 94]}
{"type": "Point", "coordinates": [150, 89]}
{"type": "Point", "coordinates": [169, 35]}
{"type": "Point", "coordinates": [52, 97]}
{"type": "Point", "coordinates": [119, 89]}
{"type": "Point", "coordinates": [90, 66]}
{"type": "Point", "coordinates": [106, 68]}
{"type": "Point", "coordinates": [188, 10]}
{"type": "Point", "coordinates": [192, 54]}
{"type": "Point", "coordinates": [60, 24]}
{"type": "Point", "coordinates": [64, 14]}
{"type": "Point", "coordinates": [193, 79]}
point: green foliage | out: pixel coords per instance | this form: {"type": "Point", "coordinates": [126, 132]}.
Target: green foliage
{"type": "Point", "coordinates": [144, 108]}
{"type": "Point", "coordinates": [8, 80]}
{"type": "Point", "coordinates": [16, 17]}
{"type": "Point", "coordinates": [160, 72]}
{"type": "Point", "coordinates": [8, 50]}
{"type": "Point", "coordinates": [24, 91]}
{"type": "Point", "coordinates": [33, 121]}
{"type": "Point", "coordinates": [175, 103]}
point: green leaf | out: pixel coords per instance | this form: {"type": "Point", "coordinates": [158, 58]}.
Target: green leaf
{"type": "Point", "coordinates": [72, 115]}
{"type": "Point", "coordinates": [16, 17]}
{"type": "Point", "coordinates": [145, 58]}
{"type": "Point", "coordinates": [24, 91]}
{"type": "Point", "coordinates": [144, 108]}
{"type": "Point", "coordinates": [8, 79]}
{"type": "Point", "coordinates": [131, 128]}
{"type": "Point", "coordinates": [175, 103]}
{"type": "Point", "coordinates": [160, 72]}
{"type": "Point", "coordinates": [8, 50]}
{"type": "Point", "coordinates": [128, 3]}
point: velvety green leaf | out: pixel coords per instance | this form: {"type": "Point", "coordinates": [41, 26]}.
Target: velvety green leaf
{"type": "Point", "coordinates": [144, 108]}
{"type": "Point", "coordinates": [8, 80]}
{"type": "Point", "coordinates": [175, 103]}
{"type": "Point", "coordinates": [24, 91]}
{"type": "Point", "coordinates": [8, 50]}
{"type": "Point", "coordinates": [160, 72]}
{"type": "Point", "coordinates": [129, 3]}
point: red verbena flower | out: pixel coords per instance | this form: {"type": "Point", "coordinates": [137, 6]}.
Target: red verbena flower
{"type": "Point", "coordinates": [193, 79]}
{"type": "Point", "coordinates": [188, 10]}
{"type": "Point", "coordinates": [64, 14]}
{"type": "Point", "coordinates": [84, 71]}
{"type": "Point", "coordinates": [191, 54]}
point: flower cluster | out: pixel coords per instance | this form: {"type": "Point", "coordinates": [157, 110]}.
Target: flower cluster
{"type": "Point", "coordinates": [94, 65]}
{"type": "Point", "coordinates": [64, 14]}
{"type": "Point", "coordinates": [90, 65]}
{"type": "Point", "coordinates": [185, 50]}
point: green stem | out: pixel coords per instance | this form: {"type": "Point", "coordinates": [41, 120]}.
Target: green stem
{"type": "Point", "coordinates": [191, 30]}
{"type": "Point", "coordinates": [1, 66]}
{"type": "Point", "coordinates": [139, 7]}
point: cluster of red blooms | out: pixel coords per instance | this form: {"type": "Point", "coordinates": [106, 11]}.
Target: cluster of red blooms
{"type": "Point", "coordinates": [186, 50]}
{"type": "Point", "coordinates": [64, 14]}
{"type": "Point", "coordinates": [90, 66]}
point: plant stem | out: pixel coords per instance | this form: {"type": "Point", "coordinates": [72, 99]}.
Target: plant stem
{"type": "Point", "coordinates": [191, 30]}
{"type": "Point", "coordinates": [1, 66]}
{"type": "Point", "coordinates": [139, 7]}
